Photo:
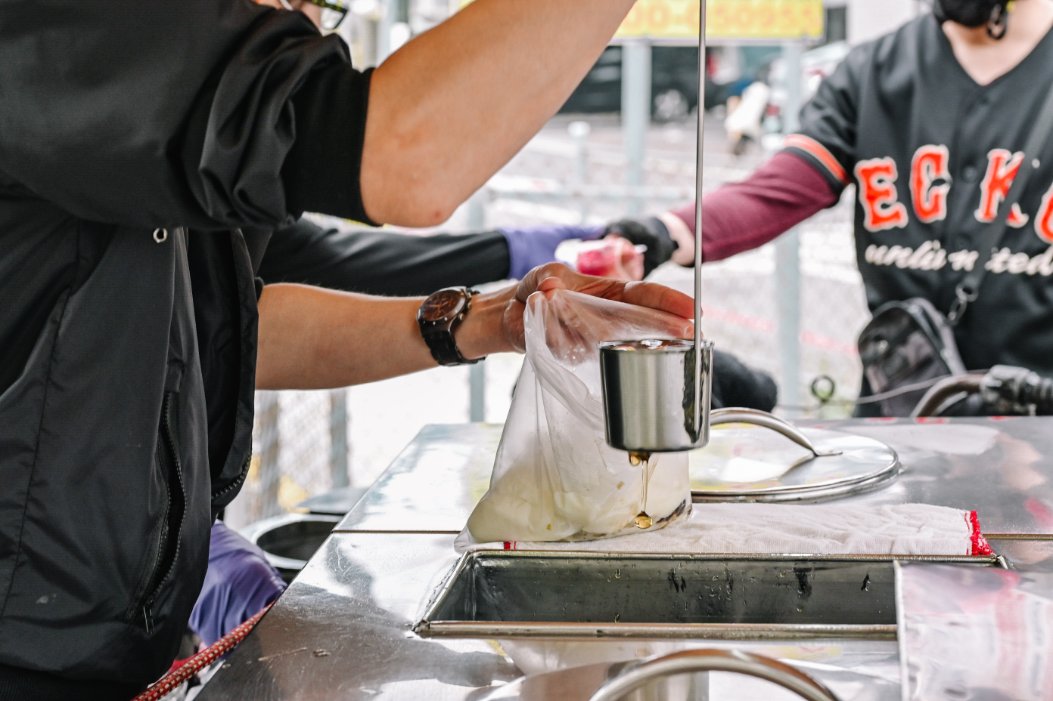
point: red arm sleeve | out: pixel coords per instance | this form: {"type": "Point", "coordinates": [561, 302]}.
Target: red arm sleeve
{"type": "Point", "coordinates": [745, 215]}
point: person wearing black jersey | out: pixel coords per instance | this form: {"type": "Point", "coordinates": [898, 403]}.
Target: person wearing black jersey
{"type": "Point", "coordinates": [929, 122]}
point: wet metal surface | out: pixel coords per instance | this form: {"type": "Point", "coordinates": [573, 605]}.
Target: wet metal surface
{"type": "Point", "coordinates": [433, 485]}
{"type": "Point", "coordinates": [1026, 555]}
{"type": "Point", "coordinates": [1001, 468]}
{"type": "Point", "coordinates": [334, 502]}
{"type": "Point", "coordinates": [345, 627]}
{"type": "Point", "coordinates": [344, 630]}
{"type": "Point", "coordinates": [974, 635]}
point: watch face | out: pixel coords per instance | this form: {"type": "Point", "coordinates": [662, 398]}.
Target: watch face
{"type": "Point", "coordinates": [442, 305]}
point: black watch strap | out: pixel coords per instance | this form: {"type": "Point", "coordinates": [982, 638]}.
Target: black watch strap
{"type": "Point", "coordinates": [438, 332]}
{"type": "Point", "coordinates": [444, 348]}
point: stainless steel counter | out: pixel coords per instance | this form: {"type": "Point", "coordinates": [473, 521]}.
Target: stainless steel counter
{"type": "Point", "coordinates": [433, 485]}
{"type": "Point", "coordinates": [344, 629]}
{"type": "Point", "coordinates": [1001, 468]}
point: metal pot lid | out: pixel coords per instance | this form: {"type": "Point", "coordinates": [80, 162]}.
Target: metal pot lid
{"type": "Point", "coordinates": [744, 462]}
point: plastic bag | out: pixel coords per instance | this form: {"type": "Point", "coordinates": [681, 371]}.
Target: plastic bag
{"type": "Point", "coordinates": [555, 478]}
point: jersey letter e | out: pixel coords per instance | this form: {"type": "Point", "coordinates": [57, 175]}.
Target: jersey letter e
{"type": "Point", "coordinates": [876, 180]}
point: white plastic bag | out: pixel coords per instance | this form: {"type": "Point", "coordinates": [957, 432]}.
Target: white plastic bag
{"type": "Point", "coordinates": [555, 478]}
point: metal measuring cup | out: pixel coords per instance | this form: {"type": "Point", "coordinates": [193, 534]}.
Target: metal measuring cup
{"type": "Point", "coordinates": [654, 401]}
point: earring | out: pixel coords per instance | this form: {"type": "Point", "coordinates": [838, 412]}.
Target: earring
{"type": "Point", "coordinates": [998, 22]}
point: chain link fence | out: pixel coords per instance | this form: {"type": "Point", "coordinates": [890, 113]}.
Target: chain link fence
{"type": "Point", "coordinates": [309, 442]}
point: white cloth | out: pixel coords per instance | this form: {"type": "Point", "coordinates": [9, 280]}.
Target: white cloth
{"type": "Point", "coordinates": [796, 529]}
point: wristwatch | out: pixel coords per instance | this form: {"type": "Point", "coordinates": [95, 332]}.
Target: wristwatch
{"type": "Point", "coordinates": [437, 318]}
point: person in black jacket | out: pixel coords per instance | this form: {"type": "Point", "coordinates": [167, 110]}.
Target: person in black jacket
{"type": "Point", "coordinates": [147, 152]}
{"type": "Point", "coordinates": [239, 581]}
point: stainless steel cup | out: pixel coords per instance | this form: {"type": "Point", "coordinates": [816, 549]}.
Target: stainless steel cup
{"type": "Point", "coordinates": [649, 394]}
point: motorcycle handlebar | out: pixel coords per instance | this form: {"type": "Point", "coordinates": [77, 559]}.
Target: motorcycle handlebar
{"type": "Point", "coordinates": [1005, 390]}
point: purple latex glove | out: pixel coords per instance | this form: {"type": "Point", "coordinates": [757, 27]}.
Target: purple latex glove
{"type": "Point", "coordinates": [239, 582]}
{"type": "Point", "coordinates": [529, 248]}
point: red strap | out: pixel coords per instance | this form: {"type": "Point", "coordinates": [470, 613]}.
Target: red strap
{"type": "Point", "coordinates": [194, 664]}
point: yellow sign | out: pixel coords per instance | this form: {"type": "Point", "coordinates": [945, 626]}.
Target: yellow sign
{"type": "Point", "coordinates": [726, 20]}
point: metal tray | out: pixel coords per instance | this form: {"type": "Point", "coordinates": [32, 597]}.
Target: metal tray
{"type": "Point", "coordinates": [499, 594]}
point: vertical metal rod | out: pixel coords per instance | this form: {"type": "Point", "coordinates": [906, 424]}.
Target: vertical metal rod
{"type": "Point", "coordinates": [698, 211]}
{"type": "Point", "coordinates": [477, 372]}
{"type": "Point", "coordinates": [787, 254]}
{"type": "Point", "coordinates": [579, 132]}
{"type": "Point", "coordinates": [339, 471]}
{"type": "Point", "coordinates": [385, 23]}
{"type": "Point", "coordinates": [269, 418]}
{"type": "Point", "coordinates": [699, 690]}
{"type": "Point", "coordinates": [636, 116]}
{"type": "Point", "coordinates": [477, 392]}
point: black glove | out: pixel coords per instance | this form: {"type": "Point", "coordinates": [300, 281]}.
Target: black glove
{"type": "Point", "coordinates": [650, 232]}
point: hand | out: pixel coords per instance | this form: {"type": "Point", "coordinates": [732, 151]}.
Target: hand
{"type": "Point", "coordinates": [239, 582]}
{"type": "Point", "coordinates": [650, 232]}
{"type": "Point", "coordinates": [536, 245]}
{"type": "Point", "coordinates": [553, 276]}
{"type": "Point", "coordinates": [613, 257]}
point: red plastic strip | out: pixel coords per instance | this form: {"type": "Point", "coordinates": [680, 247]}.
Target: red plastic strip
{"type": "Point", "coordinates": [980, 546]}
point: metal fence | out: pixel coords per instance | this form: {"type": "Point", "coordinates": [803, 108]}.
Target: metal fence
{"type": "Point", "coordinates": [309, 442]}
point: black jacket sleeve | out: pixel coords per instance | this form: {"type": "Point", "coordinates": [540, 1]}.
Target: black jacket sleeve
{"type": "Point", "coordinates": [160, 113]}
{"type": "Point", "coordinates": [382, 263]}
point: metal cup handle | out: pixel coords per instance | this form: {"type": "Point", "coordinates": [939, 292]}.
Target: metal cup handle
{"type": "Point", "coordinates": [742, 415]}
{"type": "Point", "coordinates": [636, 675]}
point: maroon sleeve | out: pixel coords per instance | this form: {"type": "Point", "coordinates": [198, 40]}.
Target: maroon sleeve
{"type": "Point", "coordinates": [742, 216]}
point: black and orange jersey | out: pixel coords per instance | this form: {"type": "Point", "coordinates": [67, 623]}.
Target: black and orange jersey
{"type": "Point", "coordinates": [932, 155]}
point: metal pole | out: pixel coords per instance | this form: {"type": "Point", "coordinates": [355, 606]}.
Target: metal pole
{"type": "Point", "coordinates": [579, 132]}
{"type": "Point", "coordinates": [477, 372]}
{"type": "Point", "coordinates": [700, 136]}
{"type": "Point", "coordinates": [477, 392]}
{"type": "Point", "coordinates": [269, 420]}
{"type": "Point", "coordinates": [339, 472]}
{"type": "Point", "coordinates": [787, 254]}
{"type": "Point", "coordinates": [636, 114]}
{"type": "Point", "coordinates": [385, 22]}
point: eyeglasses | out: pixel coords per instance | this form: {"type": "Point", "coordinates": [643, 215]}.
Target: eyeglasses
{"type": "Point", "coordinates": [333, 11]}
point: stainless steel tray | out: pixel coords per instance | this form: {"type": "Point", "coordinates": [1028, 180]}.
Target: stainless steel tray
{"type": "Point", "coordinates": [508, 594]}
